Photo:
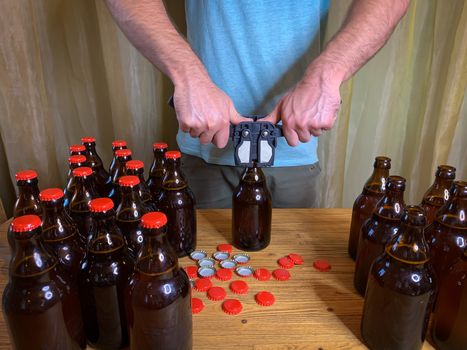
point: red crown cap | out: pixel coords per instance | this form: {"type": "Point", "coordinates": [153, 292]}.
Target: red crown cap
{"type": "Point", "coordinates": [77, 148]}
{"type": "Point", "coordinates": [172, 154]}
{"type": "Point", "coordinates": [88, 139]}
{"type": "Point", "coordinates": [25, 223]}
{"type": "Point", "coordinates": [119, 143]}
{"type": "Point", "coordinates": [123, 152]}
{"type": "Point", "coordinates": [24, 175]}
{"type": "Point", "coordinates": [76, 159]}
{"type": "Point", "coordinates": [51, 194]}
{"type": "Point", "coordinates": [159, 145]}
{"type": "Point", "coordinates": [154, 219]}
{"type": "Point", "coordinates": [134, 164]}
{"type": "Point", "coordinates": [100, 205]}
{"type": "Point", "coordinates": [128, 181]}
{"type": "Point", "coordinates": [82, 171]}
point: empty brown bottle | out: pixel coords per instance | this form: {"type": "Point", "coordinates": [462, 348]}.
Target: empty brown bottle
{"type": "Point", "coordinates": [61, 237]}
{"type": "Point", "coordinates": [438, 194]}
{"type": "Point", "coordinates": [379, 229]}
{"type": "Point", "coordinates": [27, 201]}
{"type": "Point", "coordinates": [33, 302]}
{"type": "Point", "coordinates": [251, 211]}
{"type": "Point", "coordinates": [136, 167]}
{"type": "Point", "coordinates": [105, 274]}
{"type": "Point", "coordinates": [157, 170]}
{"type": "Point", "coordinates": [77, 150]}
{"type": "Point", "coordinates": [401, 288]}
{"type": "Point", "coordinates": [129, 213]}
{"type": "Point", "coordinates": [102, 177]}
{"type": "Point", "coordinates": [122, 156]}
{"type": "Point", "coordinates": [447, 236]}
{"type": "Point", "coordinates": [159, 301]}
{"type": "Point", "coordinates": [74, 162]}
{"type": "Point", "coordinates": [177, 201]}
{"type": "Point", "coordinates": [363, 206]}
{"type": "Point", "coordinates": [116, 145]}
{"type": "Point", "coordinates": [85, 191]}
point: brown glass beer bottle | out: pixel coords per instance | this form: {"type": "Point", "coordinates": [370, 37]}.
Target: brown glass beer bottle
{"type": "Point", "coordinates": [136, 167]}
{"type": "Point", "coordinates": [401, 288]}
{"type": "Point", "coordinates": [130, 212]}
{"type": "Point", "coordinates": [27, 201]}
{"type": "Point", "coordinates": [435, 197]}
{"type": "Point", "coordinates": [177, 201]}
{"type": "Point", "coordinates": [85, 191]}
{"type": "Point", "coordinates": [77, 150]}
{"type": "Point", "coordinates": [74, 162]}
{"type": "Point", "coordinates": [379, 229]}
{"type": "Point", "coordinates": [157, 170]}
{"type": "Point", "coordinates": [159, 302]}
{"type": "Point", "coordinates": [122, 156]}
{"type": "Point", "coordinates": [116, 145]}
{"type": "Point", "coordinates": [32, 300]}
{"type": "Point", "coordinates": [105, 273]}
{"type": "Point", "coordinates": [102, 177]}
{"type": "Point", "coordinates": [363, 206]}
{"type": "Point", "coordinates": [251, 211]}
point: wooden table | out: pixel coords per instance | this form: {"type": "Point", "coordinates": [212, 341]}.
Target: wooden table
{"type": "Point", "coordinates": [313, 310]}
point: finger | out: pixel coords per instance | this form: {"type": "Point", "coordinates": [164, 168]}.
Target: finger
{"type": "Point", "coordinates": [183, 127]}
{"type": "Point", "coordinates": [291, 136]}
{"type": "Point", "coordinates": [303, 135]}
{"type": "Point", "coordinates": [316, 132]}
{"type": "Point", "coordinates": [206, 137]}
{"type": "Point", "coordinates": [273, 117]}
{"type": "Point", "coordinates": [195, 132]}
{"type": "Point", "coordinates": [237, 119]}
{"type": "Point", "coordinates": [221, 138]}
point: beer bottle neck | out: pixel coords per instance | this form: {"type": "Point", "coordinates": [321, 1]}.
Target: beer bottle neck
{"type": "Point", "coordinates": [173, 178]}
{"type": "Point", "coordinates": [157, 166]}
{"type": "Point", "coordinates": [84, 189]}
{"type": "Point", "coordinates": [391, 205]}
{"type": "Point", "coordinates": [377, 181]}
{"type": "Point", "coordinates": [130, 198]}
{"type": "Point", "coordinates": [454, 212]}
{"type": "Point", "coordinates": [105, 236]}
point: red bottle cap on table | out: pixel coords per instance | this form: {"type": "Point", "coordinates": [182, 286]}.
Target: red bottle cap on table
{"type": "Point", "coordinates": [296, 258]}
{"type": "Point", "coordinates": [262, 274]}
{"type": "Point", "coordinates": [51, 194]}
{"type": "Point", "coordinates": [153, 219]}
{"type": "Point", "coordinates": [76, 159]}
{"type": "Point", "coordinates": [239, 287]}
{"type": "Point", "coordinates": [159, 145]}
{"type": "Point", "coordinates": [88, 139]}
{"type": "Point", "coordinates": [100, 205]}
{"type": "Point", "coordinates": [191, 271]}
{"type": "Point", "coordinates": [322, 265]}
{"type": "Point", "coordinates": [281, 274]}
{"type": "Point", "coordinates": [232, 306]}
{"type": "Point", "coordinates": [82, 171]}
{"type": "Point", "coordinates": [123, 152]}
{"type": "Point", "coordinates": [224, 247]}
{"type": "Point", "coordinates": [172, 154]}
{"type": "Point", "coordinates": [197, 305]}
{"type": "Point", "coordinates": [265, 298]}
{"type": "Point", "coordinates": [128, 181]}
{"type": "Point", "coordinates": [119, 143]}
{"type": "Point", "coordinates": [286, 262]}
{"type": "Point", "coordinates": [224, 274]}
{"type": "Point", "coordinates": [203, 284]}
{"type": "Point", "coordinates": [216, 293]}
{"type": "Point", "coordinates": [77, 148]}
{"type": "Point", "coordinates": [134, 164]}
{"type": "Point", "coordinates": [24, 175]}
{"type": "Point", "coordinates": [25, 223]}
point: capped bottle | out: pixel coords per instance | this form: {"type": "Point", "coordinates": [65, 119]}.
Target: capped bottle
{"type": "Point", "coordinates": [105, 274]}
{"type": "Point", "coordinates": [116, 145]}
{"type": "Point", "coordinates": [85, 191]}
{"type": "Point", "coordinates": [136, 167]}
{"type": "Point", "coordinates": [401, 289]}
{"type": "Point", "coordinates": [157, 170]}
{"type": "Point", "coordinates": [251, 211]}
{"type": "Point", "coordinates": [122, 156]}
{"type": "Point", "coordinates": [74, 162]}
{"type": "Point", "coordinates": [33, 300]}
{"type": "Point", "coordinates": [27, 201]}
{"type": "Point", "coordinates": [177, 201]}
{"type": "Point", "coordinates": [159, 301]}
{"type": "Point", "coordinates": [447, 236]}
{"type": "Point", "coordinates": [379, 229]}
{"type": "Point", "coordinates": [373, 191]}
{"type": "Point", "coordinates": [129, 213]}
{"type": "Point", "coordinates": [438, 194]}
{"type": "Point", "coordinates": [77, 150]}
{"type": "Point", "coordinates": [102, 177]}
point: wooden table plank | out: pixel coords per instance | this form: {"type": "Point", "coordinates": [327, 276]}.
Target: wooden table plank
{"type": "Point", "coordinates": [313, 310]}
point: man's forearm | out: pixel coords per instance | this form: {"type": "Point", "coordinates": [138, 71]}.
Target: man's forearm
{"type": "Point", "coordinates": [368, 26]}
{"type": "Point", "coordinates": [150, 30]}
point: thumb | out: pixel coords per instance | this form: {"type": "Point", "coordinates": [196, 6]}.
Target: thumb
{"type": "Point", "coordinates": [237, 119]}
{"type": "Point", "coordinates": [273, 117]}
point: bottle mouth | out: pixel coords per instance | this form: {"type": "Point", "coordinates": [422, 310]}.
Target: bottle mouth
{"type": "Point", "coordinates": [396, 183]}
{"type": "Point", "coordinates": [446, 172]}
{"type": "Point", "coordinates": [414, 215]}
{"type": "Point", "coordinates": [382, 162]}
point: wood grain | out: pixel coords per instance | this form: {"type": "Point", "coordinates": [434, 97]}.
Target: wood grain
{"type": "Point", "coordinates": [313, 310]}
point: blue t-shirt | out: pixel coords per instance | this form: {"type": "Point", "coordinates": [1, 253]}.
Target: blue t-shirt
{"type": "Point", "coordinates": [255, 51]}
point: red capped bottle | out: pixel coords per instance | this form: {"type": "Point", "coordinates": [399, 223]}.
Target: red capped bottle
{"type": "Point", "coordinates": [122, 156]}
{"type": "Point", "coordinates": [102, 177]}
{"type": "Point", "coordinates": [401, 289]}
{"type": "Point", "coordinates": [105, 274]}
{"type": "Point", "coordinates": [85, 191]}
{"type": "Point", "coordinates": [365, 203]}
{"type": "Point", "coordinates": [438, 194]}
{"type": "Point", "coordinates": [74, 162]}
{"type": "Point", "coordinates": [77, 150]}
{"type": "Point", "coordinates": [136, 167]}
{"type": "Point", "coordinates": [129, 213]}
{"type": "Point", "coordinates": [178, 203]}
{"type": "Point", "coordinates": [379, 229]}
{"type": "Point", "coordinates": [159, 298]}
{"type": "Point", "coordinates": [116, 145]}
{"type": "Point", "coordinates": [251, 211]}
{"type": "Point", "coordinates": [157, 170]}
{"type": "Point", "coordinates": [33, 300]}
{"type": "Point", "coordinates": [27, 201]}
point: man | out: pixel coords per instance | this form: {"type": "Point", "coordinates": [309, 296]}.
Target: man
{"type": "Point", "coordinates": [246, 57]}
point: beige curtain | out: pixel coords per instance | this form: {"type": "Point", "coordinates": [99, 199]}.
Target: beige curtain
{"type": "Point", "coordinates": [67, 71]}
